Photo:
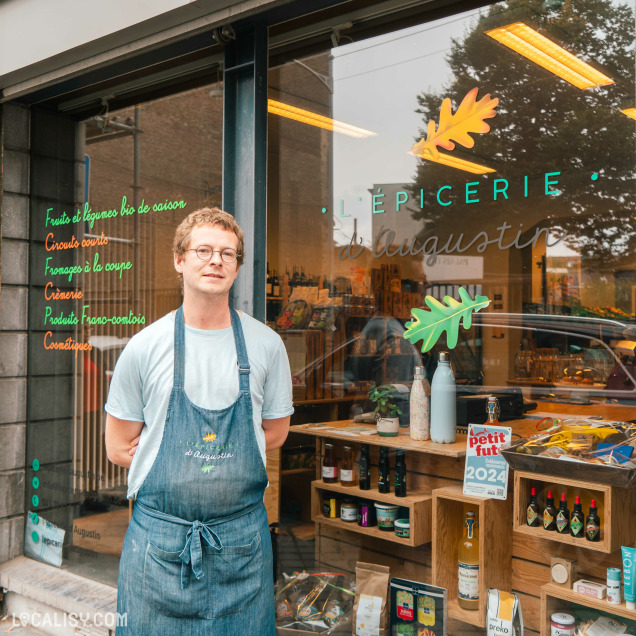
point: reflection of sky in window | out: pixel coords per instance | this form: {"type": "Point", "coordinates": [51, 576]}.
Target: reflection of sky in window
{"type": "Point", "coordinates": [376, 82]}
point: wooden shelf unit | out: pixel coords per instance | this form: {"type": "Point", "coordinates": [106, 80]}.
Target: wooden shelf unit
{"type": "Point", "coordinates": [553, 596]}
{"type": "Point", "coordinates": [349, 431]}
{"type": "Point", "coordinates": [495, 547]}
{"type": "Point", "coordinates": [615, 528]}
{"type": "Point", "coordinates": [418, 504]}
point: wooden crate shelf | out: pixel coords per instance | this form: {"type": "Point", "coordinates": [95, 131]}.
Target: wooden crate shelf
{"type": "Point", "coordinates": [495, 547]}
{"type": "Point", "coordinates": [553, 596]}
{"type": "Point", "coordinates": [418, 504]}
{"type": "Point", "coordinates": [615, 529]}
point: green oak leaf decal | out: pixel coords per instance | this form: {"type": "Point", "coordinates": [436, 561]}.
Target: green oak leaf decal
{"type": "Point", "coordinates": [428, 326]}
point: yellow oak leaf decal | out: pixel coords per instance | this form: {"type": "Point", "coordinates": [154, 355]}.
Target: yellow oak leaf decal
{"type": "Point", "coordinates": [210, 437]}
{"type": "Point", "coordinates": [469, 119]}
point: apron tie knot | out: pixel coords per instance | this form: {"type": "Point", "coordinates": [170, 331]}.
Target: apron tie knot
{"type": "Point", "coordinates": [192, 552]}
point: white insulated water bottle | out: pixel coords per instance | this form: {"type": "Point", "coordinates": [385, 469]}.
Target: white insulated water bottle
{"type": "Point", "coordinates": [420, 407]}
{"type": "Point", "coordinates": [443, 395]}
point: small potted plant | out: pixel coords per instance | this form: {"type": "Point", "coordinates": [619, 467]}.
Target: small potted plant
{"type": "Point", "coordinates": [386, 412]}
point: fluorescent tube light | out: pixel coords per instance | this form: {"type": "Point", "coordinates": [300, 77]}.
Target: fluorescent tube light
{"type": "Point", "coordinates": [456, 162]}
{"type": "Point", "coordinates": [314, 119]}
{"type": "Point", "coordinates": [546, 53]}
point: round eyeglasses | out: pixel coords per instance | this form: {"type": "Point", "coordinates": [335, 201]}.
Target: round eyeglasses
{"type": "Point", "coordinates": [205, 252]}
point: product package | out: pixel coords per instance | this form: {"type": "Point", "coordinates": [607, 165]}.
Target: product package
{"type": "Point", "coordinates": [602, 626]}
{"type": "Point", "coordinates": [43, 540]}
{"type": "Point", "coordinates": [503, 616]}
{"type": "Point", "coordinates": [371, 604]}
{"type": "Point", "coordinates": [417, 609]}
{"type": "Point", "coordinates": [314, 603]}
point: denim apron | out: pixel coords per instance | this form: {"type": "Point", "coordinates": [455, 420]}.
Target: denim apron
{"type": "Point", "coordinates": [197, 558]}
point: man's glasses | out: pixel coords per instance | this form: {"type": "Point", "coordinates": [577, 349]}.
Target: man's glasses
{"type": "Point", "coordinates": [205, 252]}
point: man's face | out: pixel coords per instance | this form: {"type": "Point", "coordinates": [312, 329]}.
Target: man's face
{"type": "Point", "coordinates": [208, 278]}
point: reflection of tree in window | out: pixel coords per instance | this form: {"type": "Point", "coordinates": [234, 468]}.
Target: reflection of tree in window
{"type": "Point", "coordinates": [544, 124]}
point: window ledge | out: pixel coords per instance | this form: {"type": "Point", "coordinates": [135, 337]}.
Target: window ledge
{"type": "Point", "coordinates": [57, 588]}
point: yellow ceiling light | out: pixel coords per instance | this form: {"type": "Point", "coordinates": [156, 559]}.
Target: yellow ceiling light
{"type": "Point", "coordinates": [544, 52]}
{"type": "Point", "coordinates": [630, 112]}
{"type": "Point", "coordinates": [456, 162]}
{"type": "Point", "coordinates": [314, 119]}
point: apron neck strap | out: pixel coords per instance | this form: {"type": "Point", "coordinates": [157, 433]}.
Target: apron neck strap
{"type": "Point", "coordinates": [179, 348]}
{"type": "Point", "coordinates": [241, 353]}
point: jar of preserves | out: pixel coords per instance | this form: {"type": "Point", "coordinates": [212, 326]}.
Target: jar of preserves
{"type": "Point", "coordinates": [562, 624]}
{"type": "Point", "coordinates": [349, 510]}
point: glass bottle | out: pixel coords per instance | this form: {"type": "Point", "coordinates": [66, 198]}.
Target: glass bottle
{"type": "Point", "coordinates": [593, 524]}
{"type": "Point", "coordinates": [493, 410]}
{"type": "Point", "coordinates": [443, 408]}
{"type": "Point", "coordinates": [365, 468]}
{"type": "Point", "coordinates": [549, 513]}
{"type": "Point", "coordinates": [268, 289]}
{"type": "Point", "coordinates": [384, 485]}
{"type": "Point", "coordinates": [420, 407]}
{"type": "Point", "coordinates": [468, 565]}
{"type": "Point", "coordinates": [276, 285]}
{"type": "Point", "coordinates": [532, 511]}
{"type": "Point", "coordinates": [347, 467]}
{"type": "Point", "coordinates": [563, 517]}
{"type": "Point", "coordinates": [577, 520]}
{"type": "Point", "coordinates": [330, 465]}
{"type": "Point", "coordinates": [400, 473]}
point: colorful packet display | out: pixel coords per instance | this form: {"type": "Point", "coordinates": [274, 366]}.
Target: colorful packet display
{"type": "Point", "coordinates": [417, 609]}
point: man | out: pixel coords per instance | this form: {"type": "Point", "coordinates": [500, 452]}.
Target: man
{"type": "Point", "coordinates": [204, 392]}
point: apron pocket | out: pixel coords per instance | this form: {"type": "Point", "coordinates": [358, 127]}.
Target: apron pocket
{"type": "Point", "coordinates": [235, 576]}
{"type": "Point", "coordinates": [162, 586]}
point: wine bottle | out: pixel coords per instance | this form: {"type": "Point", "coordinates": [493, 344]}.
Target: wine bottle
{"type": "Point", "coordinates": [384, 485]}
{"type": "Point", "coordinates": [400, 473]}
{"type": "Point", "coordinates": [365, 468]}
{"type": "Point", "coordinates": [275, 285]}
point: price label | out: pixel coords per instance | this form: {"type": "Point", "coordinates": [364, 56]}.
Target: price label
{"type": "Point", "coordinates": [486, 472]}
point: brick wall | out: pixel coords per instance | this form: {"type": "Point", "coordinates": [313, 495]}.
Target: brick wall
{"type": "Point", "coordinates": [14, 249]}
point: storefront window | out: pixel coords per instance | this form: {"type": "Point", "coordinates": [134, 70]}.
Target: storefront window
{"type": "Point", "coordinates": [492, 151]}
{"type": "Point", "coordinates": [526, 198]}
{"type": "Point", "coordinates": [108, 272]}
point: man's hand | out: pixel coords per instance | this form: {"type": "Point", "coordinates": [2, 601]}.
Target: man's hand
{"type": "Point", "coordinates": [122, 439]}
{"type": "Point", "coordinates": [276, 432]}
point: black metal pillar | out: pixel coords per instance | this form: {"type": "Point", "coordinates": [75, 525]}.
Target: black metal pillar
{"type": "Point", "coordinates": [245, 158]}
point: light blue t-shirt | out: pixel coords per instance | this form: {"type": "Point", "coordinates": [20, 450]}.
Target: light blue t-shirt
{"type": "Point", "coordinates": [143, 378]}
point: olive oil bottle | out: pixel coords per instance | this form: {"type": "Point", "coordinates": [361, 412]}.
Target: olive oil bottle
{"type": "Point", "coordinates": [468, 565]}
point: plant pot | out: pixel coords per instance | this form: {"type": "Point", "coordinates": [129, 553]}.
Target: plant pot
{"type": "Point", "coordinates": [388, 426]}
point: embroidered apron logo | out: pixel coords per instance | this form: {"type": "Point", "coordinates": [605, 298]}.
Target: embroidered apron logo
{"type": "Point", "coordinates": [210, 437]}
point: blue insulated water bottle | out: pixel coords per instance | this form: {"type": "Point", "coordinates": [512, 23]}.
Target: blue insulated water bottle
{"type": "Point", "coordinates": [443, 394]}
